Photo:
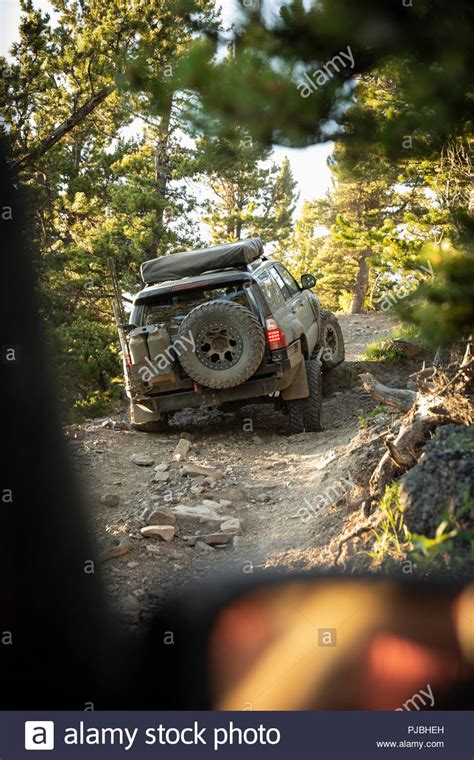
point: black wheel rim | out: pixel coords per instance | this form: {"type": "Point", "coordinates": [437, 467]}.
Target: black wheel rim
{"type": "Point", "coordinates": [219, 347]}
{"type": "Point", "coordinates": [331, 342]}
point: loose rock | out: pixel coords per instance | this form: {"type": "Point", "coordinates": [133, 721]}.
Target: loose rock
{"type": "Point", "coordinates": [216, 539]}
{"type": "Point", "coordinates": [193, 470]}
{"type": "Point", "coordinates": [181, 449]}
{"type": "Point", "coordinates": [110, 500]}
{"type": "Point", "coordinates": [231, 526]}
{"type": "Point", "coordinates": [123, 547]}
{"type": "Point", "coordinates": [161, 517]}
{"type": "Point", "coordinates": [193, 518]}
{"type": "Point", "coordinates": [143, 460]}
{"type": "Point", "coordinates": [166, 532]}
{"type": "Point", "coordinates": [160, 477]}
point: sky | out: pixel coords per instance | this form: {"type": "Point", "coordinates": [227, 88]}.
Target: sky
{"type": "Point", "coordinates": [309, 165]}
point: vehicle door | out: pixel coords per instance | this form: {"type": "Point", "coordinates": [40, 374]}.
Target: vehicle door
{"type": "Point", "coordinates": [299, 302]}
{"type": "Point", "coordinates": [279, 305]}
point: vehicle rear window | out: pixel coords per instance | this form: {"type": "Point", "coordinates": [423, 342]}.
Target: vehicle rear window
{"type": "Point", "coordinates": [172, 308]}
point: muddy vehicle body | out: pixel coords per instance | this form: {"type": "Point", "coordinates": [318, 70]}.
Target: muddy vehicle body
{"type": "Point", "coordinates": [226, 326]}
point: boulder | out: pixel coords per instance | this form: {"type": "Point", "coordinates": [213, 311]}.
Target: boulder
{"type": "Point", "coordinates": [441, 482]}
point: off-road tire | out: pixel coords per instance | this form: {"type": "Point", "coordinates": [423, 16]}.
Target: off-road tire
{"type": "Point", "coordinates": [296, 408]}
{"type": "Point", "coordinates": [312, 412]}
{"type": "Point", "coordinates": [304, 414]}
{"type": "Point", "coordinates": [330, 349]}
{"type": "Point", "coordinates": [229, 344]}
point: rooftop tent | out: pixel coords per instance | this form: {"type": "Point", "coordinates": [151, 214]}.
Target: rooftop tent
{"type": "Point", "coordinates": [193, 263]}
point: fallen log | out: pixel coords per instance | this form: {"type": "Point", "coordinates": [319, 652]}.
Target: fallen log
{"type": "Point", "coordinates": [440, 399]}
{"type": "Point", "coordinates": [394, 397]}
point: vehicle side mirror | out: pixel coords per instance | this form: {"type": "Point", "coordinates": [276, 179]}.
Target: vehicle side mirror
{"type": "Point", "coordinates": [308, 281]}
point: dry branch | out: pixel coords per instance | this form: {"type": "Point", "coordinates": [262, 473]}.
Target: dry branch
{"type": "Point", "coordinates": [441, 398]}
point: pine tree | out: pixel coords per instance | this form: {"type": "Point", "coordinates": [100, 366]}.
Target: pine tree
{"type": "Point", "coordinates": [248, 195]}
{"type": "Point", "coordinates": [94, 193]}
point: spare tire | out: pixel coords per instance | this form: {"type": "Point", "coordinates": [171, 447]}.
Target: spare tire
{"type": "Point", "coordinates": [228, 344]}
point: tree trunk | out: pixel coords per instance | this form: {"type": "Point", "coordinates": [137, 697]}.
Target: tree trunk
{"type": "Point", "coordinates": [361, 285]}
{"type": "Point", "coordinates": [161, 172]}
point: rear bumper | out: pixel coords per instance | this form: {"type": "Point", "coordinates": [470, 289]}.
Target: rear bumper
{"type": "Point", "coordinates": [271, 376]}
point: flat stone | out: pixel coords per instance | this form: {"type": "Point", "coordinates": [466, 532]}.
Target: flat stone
{"type": "Point", "coordinates": [216, 539]}
{"type": "Point", "coordinates": [201, 546]}
{"type": "Point", "coordinates": [160, 477]}
{"type": "Point", "coordinates": [193, 518]}
{"type": "Point", "coordinates": [211, 503]}
{"type": "Point", "coordinates": [194, 470]}
{"type": "Point", "coordinates": [161, 517]}
{"type": "Point", "coordinates": [142, 460]}
{"type": "Point", "coordinates": [181, 449]}
{"type": "Point", "coordinates": [232, 525]}
{"type": "Point", "coordinates": [162, 467]}
{"type": "Point", "coordinates": [233, 495]}
{"type": "Point", "coordinates": [166, 532]}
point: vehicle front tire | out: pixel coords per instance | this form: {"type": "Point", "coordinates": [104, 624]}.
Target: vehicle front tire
{"type": "Point", "coordinates": [330, 349]}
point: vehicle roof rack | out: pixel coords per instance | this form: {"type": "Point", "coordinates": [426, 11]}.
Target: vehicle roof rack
{"type": "Point", "coordinates": [191, 263]}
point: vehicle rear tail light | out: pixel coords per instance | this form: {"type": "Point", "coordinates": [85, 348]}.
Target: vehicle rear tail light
{"type": "Point", "coordinates": [276, 338]}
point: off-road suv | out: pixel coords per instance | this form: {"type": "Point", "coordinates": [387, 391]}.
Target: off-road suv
{"type": "Point", "coordinates": [226, 325]}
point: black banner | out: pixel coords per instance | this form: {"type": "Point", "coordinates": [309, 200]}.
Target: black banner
{"type": "Point", "coordinates": [326, 735]}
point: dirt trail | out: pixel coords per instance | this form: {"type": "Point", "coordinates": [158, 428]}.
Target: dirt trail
{"type": "Point", "coordinates": [284, 490]}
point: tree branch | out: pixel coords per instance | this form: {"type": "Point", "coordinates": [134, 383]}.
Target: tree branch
{"type": "Point", "coordinates": [63, 129]}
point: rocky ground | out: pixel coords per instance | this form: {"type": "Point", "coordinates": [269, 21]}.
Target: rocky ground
{"type": "Point", "coordinates": [272, 500]}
